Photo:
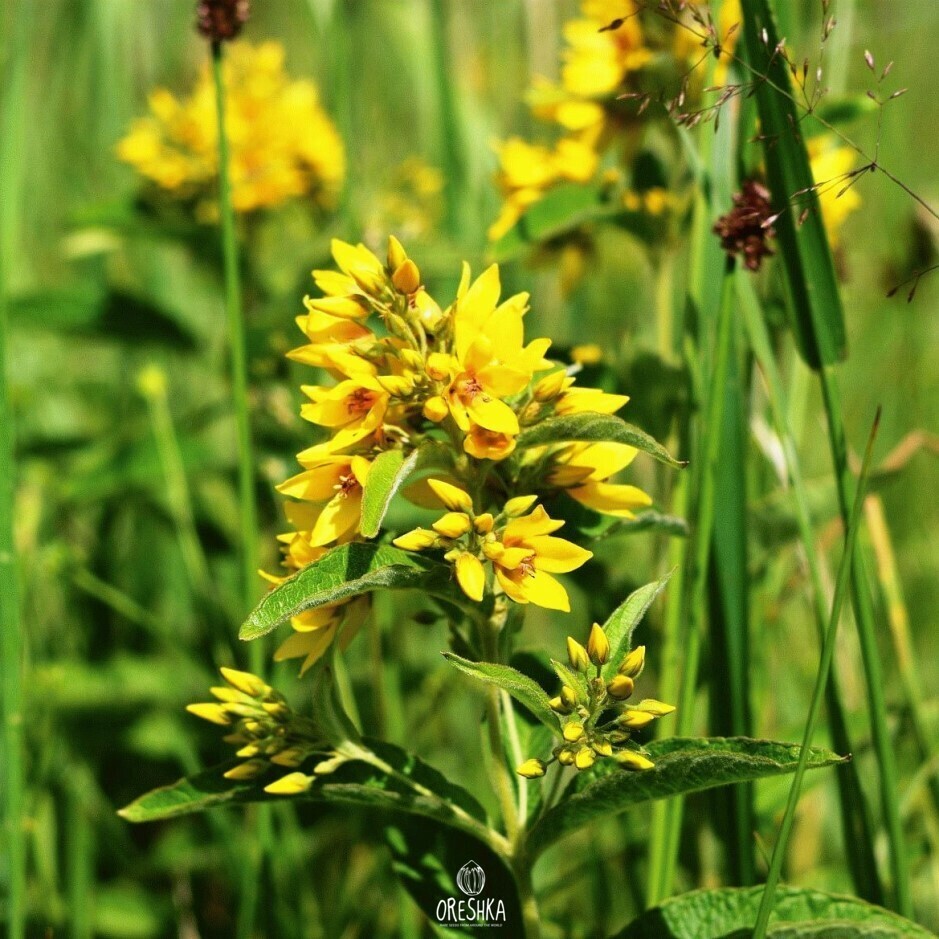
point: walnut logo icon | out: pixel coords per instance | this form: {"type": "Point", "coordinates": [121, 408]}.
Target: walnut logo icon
{"type": "Point", "coordinates": [471, 879]}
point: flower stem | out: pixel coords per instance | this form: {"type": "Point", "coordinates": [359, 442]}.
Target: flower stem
{"type": "Point", "coordinates": [870, 657]}
{"type": "Point", "coordinates": [11, 635]}
{"type": "Point", "coordinates": [248, 516]}
{"type": "Point", "coordinates": [821, 680]}
{"type": "Point", "coordinates": [258, 819]}
{"type": "Point", "coordinates": [704, 484]}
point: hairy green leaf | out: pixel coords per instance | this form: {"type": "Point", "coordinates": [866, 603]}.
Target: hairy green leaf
{"type": "Point", "coordinates": [624, 619]}
{"type": "Point", "coordinates": [682, 765]}
{"type": "Point", "coordinates": [818, 317]}
{"type": "Point", "coordinates": [356, 782]}
{"type": "Point", "coordinates": [797, 914]}
{"type": "Point", "coordinates": [519, 686]}
{"type": "Point", "coordinates": [388, 474]}
{"type": "Point", "coordinates": [591, 427]}
{"type": "Point", "coordinates": [344, 572]}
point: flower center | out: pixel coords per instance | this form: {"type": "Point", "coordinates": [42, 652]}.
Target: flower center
{"type": "Point", "coordinates": [527, 567]}
{"type": "Point", "coordinates": [347, 485]}
{"type": "Point", "coordinates": [360, 400]}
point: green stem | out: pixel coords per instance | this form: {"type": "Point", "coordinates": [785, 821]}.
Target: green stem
{"type": "Point", "coordinates": [531, 918]}
{"type": "Point", "coordinates": [856, 824]}
{"type": "Point", "coordinates": [258, 818]}
{"type": "Point", "coordinates": [873, 671]}
{"type": "Point", "coordinates": [704, 483]}
{"type": "Point", "coordinates": [821, 680]}
{"type": "Point", "coordinates": [248, 516]}
{"type": "Point", "coordinates": [16, 54]}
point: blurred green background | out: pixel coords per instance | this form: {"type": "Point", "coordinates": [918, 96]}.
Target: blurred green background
{"type": "Point", "coordinates": [129, 597]}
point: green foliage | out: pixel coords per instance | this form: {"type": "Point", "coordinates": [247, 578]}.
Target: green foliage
{"type": "Point", "coordinates": [342, 573]}
{"type": "Point", "coordinates": [682, 766]}
{"type": "Point", "coordinates": [818, 317]}
{"type": "Point", "coordinates": [594, 428]}
{"type": "Point", "coordinates": [797, 914]}
{"type": "Point", "coordinates": [622, 622]}
{"type": "Point", "coordinates": [519, 686]}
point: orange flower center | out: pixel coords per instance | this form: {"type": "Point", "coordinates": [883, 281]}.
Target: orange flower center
{"type": "Point", "coordinates": [360, 400]}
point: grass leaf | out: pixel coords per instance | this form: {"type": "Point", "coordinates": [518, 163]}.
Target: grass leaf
{"type": "Point", "coordinates": [818, 317]}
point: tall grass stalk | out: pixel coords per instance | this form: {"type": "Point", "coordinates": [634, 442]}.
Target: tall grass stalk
{"type": "Point", "coordinates": [873, 671]}
{"type": "Point", "coordinates": [704, 484]}
{"type": "Point", "coordinates": [15, 55]}
{"type": "Point", "coordinates": [855, 816]}
{"type": "Point", "coordinates": [258, 818]}
{"type": "Point", "coordinates": [821, 680]}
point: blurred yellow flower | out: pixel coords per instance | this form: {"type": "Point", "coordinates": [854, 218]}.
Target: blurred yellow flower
{"type": "Point", "coordinates": [283, 144]}
{"type": "Point", "coordinates": [831, 165]}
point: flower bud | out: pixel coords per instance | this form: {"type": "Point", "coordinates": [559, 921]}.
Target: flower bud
{"type": "Point", "coordinates": [453, 524]}
{"type": "Point", "coordinates": [210, 712]}
{"type": "Point", "coordinates": [573, 731]}
{"type": "Point", "coordinates": [602, 747]}
{"type": "Point", "coordinates": [482, 524]}
{"type": "Point", "coordinates": [407, 277]}
{"type": "Point", "coordinates": [565, 757]}
{"type": "Point", "coordinates": [471, 575]}
{"type": "Point", "coordinates": [398, 385]}
{"type": "Point", "coordinates": [396, 253]}
{"type": "Point", "coordinates": [220, 20]}
{"type": "Point", "coordinates": [635, 719]}
{"type": "Point", "coordinates": [531, 769]}
{"type": "Point", "coordinates": [417, 540]}
{"type": "Point", "coordinates": [290, 785]}
{"type": "Point", "coordinates": [247, 770]}
{"type": "Point", "coordinates": [577, 655]}
{"type": "Point", "coordinates": [549, 387]}
{"type": "Point", "coordinates": [633, 664]}
{"type": "Point", "coordinates": [452, 497]}
{"type": "Point", "coordinates": [292, 757]}
{"type": "Point", "coordinates": [621, 687]}
{"type": "Point", "coordinates": [585, 758]}
{"type": "Point", "coordinates": [519, 505]}
{"type": "Point", "coordinates": [245, 682]}
{"type": "Point", "coordinates": [436, 409]}
{"type": "Point", "coordinates": [598, 646]}
{"type": "Point", "coordinates": [633, 761]}
{"type": "Point", "coordinates": [568, 697]}
{"type": "Point", "coordinates": [656, 708]}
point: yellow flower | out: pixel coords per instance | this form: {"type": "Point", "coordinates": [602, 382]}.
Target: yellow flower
{"type": "Point", "coordinates": [583, 470]}
{"type": "Point", "coordinates": [283, 145]}
{"type": "Point", "coordinates": [526, 556]}
{"type": "Point", "coordinates": [831, 168]}
{"type": "Point", "coordinates": [336, 480]}
{"type": "Point", "coordinates": [315, 630]}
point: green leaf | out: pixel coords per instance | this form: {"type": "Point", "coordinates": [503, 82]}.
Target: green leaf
{"type": "Point", "coordinates": [427, 856]}
{"type": "Point", "coordinates": [798, 914]}
{"type": "Point", "coordinates": [624, 619]}
{"type": "Point", "coordinates": [344, 572]}
{"type": "Point", "coordinates": [818, 317]}
{"type": "Point", "coordinates": [562, 209]}
{"type": "Point", "coordinates": [354, 783]}
{"type": "Point", "coordinates": [590, 427]}
{"type": "Point", "coordinates": [682, 765]}
{"type": "Point", "coordinates": [389, 472]}
{"type": "Point", "coordinates": [525, 690]}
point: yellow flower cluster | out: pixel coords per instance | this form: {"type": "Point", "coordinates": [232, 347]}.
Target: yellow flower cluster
{"type": "Point", "coordinates": [599, 723]}
{"type": "Point", "coordinates": [408, 372]}
{"type": "Point", "coordinates": [266, 731]}
{"type": "Point", "coordinates": [283, 144]}
{"type": "Point", "coordinates": [597, 65]}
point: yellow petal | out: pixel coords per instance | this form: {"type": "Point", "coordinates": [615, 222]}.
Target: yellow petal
{"type": "Point", "coordinates": [450, 496]}
{"type": "Point", "coordinates": [453, 524]}
{"type": "Point", "coordinates": [557, 555]}
{"type": "Point", "coordinates": [471, 576]}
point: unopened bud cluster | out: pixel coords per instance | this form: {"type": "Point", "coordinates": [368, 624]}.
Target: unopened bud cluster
{"type": "Point", "coordinates": [599, 722]}
{"type": "Point", "coordinates": [266, 731]}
